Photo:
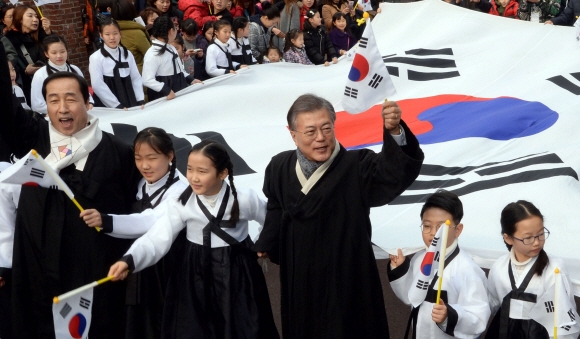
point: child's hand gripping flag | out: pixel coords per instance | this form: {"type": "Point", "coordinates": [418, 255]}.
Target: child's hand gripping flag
{"type": "Point", "coordinates": [423, 277]}
{"type": "Point", "coordinates": [28, 171]}
{"type": "Point", "coordinates": [368, 81]}
{"type": "Point", "coordinates": [555, 311]}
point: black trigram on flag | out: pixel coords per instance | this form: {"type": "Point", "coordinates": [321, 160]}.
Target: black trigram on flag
{"type": "Point", "coordinates": [423, 64]}
{"type": "Point", "coordinates": [351, 92]}
{"type": "Point", "coordinates": [65, 310]}
{"type": "Point", "coordinates": [566, 328]}
{"type": "Point", "coordinates": [35, 172]}
{"type": "Point", "coordinates": [570, 82]}
{"type": "Point", "coordinates": [571, 315]}
{"type": "Point", "coordinates": [434, 241]}
{"type": "Point", "coordinates": [363, 42]}
{"type": "Point", "coordinates": [470, 179]}
{"type": "Point", "coordinates": [375, 81]}
{"type": "Point", "coordinates": [549, 306]}
{"type": "Point", "coordinates": [436, 258]}
{"type": "Point", "coordinates": [422, 285]}
{"type": "Point", "coordinates": [85, 303]}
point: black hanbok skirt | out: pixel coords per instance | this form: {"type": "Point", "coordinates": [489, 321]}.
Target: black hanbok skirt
{"type": "Point", "coordinates": [238, 305]}
{"type": "Point", "coordinates": [517, 329]}
{"type": "Point", "coordinates": [123, 90]}
{"type": "Point", "coordinates": [176, 82]}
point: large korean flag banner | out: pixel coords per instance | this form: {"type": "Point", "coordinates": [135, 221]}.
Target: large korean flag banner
{"type": "Point", "coordinates": [494, 102]}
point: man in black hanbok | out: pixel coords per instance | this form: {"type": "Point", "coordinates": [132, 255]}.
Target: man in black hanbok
{"type": "Point", "coordinates": [318, 228]}
{"type": "Point", "coordinates": [54, 250]}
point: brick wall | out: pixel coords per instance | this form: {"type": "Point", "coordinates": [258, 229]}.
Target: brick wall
{"type": "Point", "coordinates": [66, 20]}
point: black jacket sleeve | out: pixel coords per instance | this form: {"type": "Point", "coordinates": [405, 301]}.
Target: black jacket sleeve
{"type": "Point", "coordinates": [567, 18]}
{"type": "Point", "coordinates": [484, 5]}
{"type": "Point", "coordinates": [312, 48]}
{"type": "Point", "coordinates": [329, 48]}
{"type": "Point", "coordinates": [269, 240]}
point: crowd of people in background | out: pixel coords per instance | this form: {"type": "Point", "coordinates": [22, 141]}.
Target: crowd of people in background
{"type": "Point", "coordinates": [168, 45]}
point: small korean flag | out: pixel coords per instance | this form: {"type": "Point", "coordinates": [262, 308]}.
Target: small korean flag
{"type": "Point", "coordinates": [429, 264]}
{"type": "Point", "coordinates": [366, 4]}
{"type": "Point", "coordinates": [72, 317]}
{"type": "Point", "coordinates": [28, 171]}
{"type": "Point", "coordinates": [368, 80]}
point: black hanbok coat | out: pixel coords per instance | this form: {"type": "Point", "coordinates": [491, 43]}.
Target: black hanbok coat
{"type": "Point", "coordinates": [330, 286]}
{"type": "Point", "coordinates": [54, 250]}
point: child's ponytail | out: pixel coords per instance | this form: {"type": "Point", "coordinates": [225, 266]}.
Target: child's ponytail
{"type": "Point", "coordinates": [235, 213]}
{"type": "Point", "coordinates": [161, 27]}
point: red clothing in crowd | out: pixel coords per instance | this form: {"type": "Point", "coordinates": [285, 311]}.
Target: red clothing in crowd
{"type": "Point", "coordinates": [510, 11]}
{"type": "Point", "coordinates": [303, 11]}
{"type": "Point", "coordinates": [197, 10]}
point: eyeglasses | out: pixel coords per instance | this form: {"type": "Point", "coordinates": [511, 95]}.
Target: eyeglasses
{"type": "Point", "coordinates": [429, 228]}
{"type": "Point", "coordinates": [531, 240]}
{"type": "Point", "coordinates": [312, 133]}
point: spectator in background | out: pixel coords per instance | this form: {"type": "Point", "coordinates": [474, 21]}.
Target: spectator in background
{"type": "Point", "coordinates": [239, 44]}
{"type": "Point", "coordinates": [134, 36]}
{"type": "Point", "coordinates": [5, 17]}
{"type": "Point", "coordinates": [329, 8]}
{"type": "Point", "coordinates": [202, 42]}
{"type": "Point", "coordinates": [538, 10]}
{"type": "Point", "coordinates": [261, 29]}
{"type": "Point", "coordinates": [568, 16]}
{"type": "Point", "coordinates": [317, 42]}
{"type": "Point", "coordinates": [27, 35]}
{"type": "Point", "coordinates": [306, 5]}
{"type": "Point", "coordinates": [221, 11]}
{"type": "Point", "coordinates": [198, 10]}
{"type": "Point", "coordinates": [272, 55]}
{"type": "Point", "coordinates": [245, 8]}
{"type": "Point", "coordinates": [289, 19]}
{"type": "Point", "coordinates": [166, 9]}
{"type": "Point", "coordinates": [149, 15]}
{"type": "Point", "coordinates": [294, 49]}
{"type": "Point", "coordinates": [341, 38]}
{"type": "Point", "coordinates": [505, 8]}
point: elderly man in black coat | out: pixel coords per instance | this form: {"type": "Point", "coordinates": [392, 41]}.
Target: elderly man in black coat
{"type": "Point", "coordinates": [54, 250]}
{"type": "Point", "coordinates": [317, 225]}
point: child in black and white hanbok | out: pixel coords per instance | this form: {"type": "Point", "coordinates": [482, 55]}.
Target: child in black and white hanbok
{"type": "Point", "coordinates": [56, 50]}
{"type": "Point", "coordinates": [115, 77]}
{"type": "Point", "coordinates": [520, 278]}
{"type": "Point", "coordinates": [161, 182]}
{"type": "Point", "coordinates": [163, 72]}
{"type": "Point", "coordinates": [463, 311]}
{"type": "Point", "coordinates": [218, 290]}
{"type": "Point", "coordinates": [239, 43]}
{"type": "Point", "coordinates": [219, 59]}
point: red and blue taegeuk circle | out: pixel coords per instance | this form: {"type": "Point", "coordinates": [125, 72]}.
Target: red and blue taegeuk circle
{"type": "Point", "coordinates": [77, 326]}
{"type": "Point", "coordinates": [427, 263]}
{"type": "Point", "coordinates": [360, 68]}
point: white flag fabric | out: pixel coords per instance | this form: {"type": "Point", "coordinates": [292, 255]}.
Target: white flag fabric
{"type": "Point", "coordinates": [567, 316]}
{"type": "Point", "coordinates": [577, 25]}
{"type": "Point", "coordinates": [72, 316]}
{"type": "Point", "coordinates": [366, 4]}
{"type": "Point", "coordinates": [427, 269]}
{"type": "Point", "coordinates": [491, 133]}
{"type": "Point", "coordinates": [44, 2]}
{"type": "Point", "coordinates": [368, 81]}
{"type": "Point", "coordinates": [29, 172]}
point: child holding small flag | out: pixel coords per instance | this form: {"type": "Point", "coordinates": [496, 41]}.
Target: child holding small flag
{"type": "Point", "coordinates": [463, 309]}
{"type": "Point", "coordinates": [219, 290]}
{"type": "Point", "coordinates": [519, 279]}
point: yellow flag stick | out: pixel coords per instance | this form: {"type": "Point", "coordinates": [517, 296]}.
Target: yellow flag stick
{"type": "Point", "coordinates": [67, 295]}
{"type": "Point", "coordinates": [38, 8]}
{"type": "Point", "coordinates": [61, 184]}
{"type": "Point", "coordinates": [557, 271]}
{"type": "Point", "coordinates": [442, 259]}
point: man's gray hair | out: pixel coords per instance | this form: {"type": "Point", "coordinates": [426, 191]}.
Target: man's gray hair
{"type": "Point", "coordinates": [308, 103]}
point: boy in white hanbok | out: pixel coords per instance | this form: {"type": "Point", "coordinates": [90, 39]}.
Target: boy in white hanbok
{"type": "Point", "coordinates": [463, 310]}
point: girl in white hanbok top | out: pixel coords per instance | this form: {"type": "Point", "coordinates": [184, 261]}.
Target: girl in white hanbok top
{"type": "Point", "coordinates": [114, 74]}
{"type": "Point", "coordinates": [163, 72]}
{"type": "Point", "coordinates": [155, 159]}
{"type": "Point", "coordinates": [218, 289]}
{"type": "Point", "coordinates": [56, 50]}
{"type": "Point", "coordinates": [218, 60]}
{"type": "Point", "coordinates": [520, 278]}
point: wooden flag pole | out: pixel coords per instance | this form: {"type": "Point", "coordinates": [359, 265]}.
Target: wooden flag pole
{"type": "Point", "coordinates": [557, 272]}
{"type": "Point", "coordinates": [76, 291]}
{"type": "Point", "coordinates": [61, 184]}
{"type": "Point", "coordinates": [38, 9]}
{"type": "Point", "coordinates": [442, 259]}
